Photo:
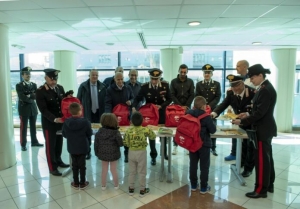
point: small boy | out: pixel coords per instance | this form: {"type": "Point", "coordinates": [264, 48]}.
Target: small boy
{"type": "Point", "coordinates": [136, 139]}
{"type": "Point", "coordinates": [203, 154]}
{"type": "Point", "coordinates": [77, 130]}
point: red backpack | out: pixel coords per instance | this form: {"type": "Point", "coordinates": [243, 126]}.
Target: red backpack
{"type": "Point", "coordinates": [150, 114]}
{"type": "Point", "coordinates": [188, 132]}
{"type": "Point", "coordinates": [173, 114]}
{"type": "Point", "coordinates": [65, 103]}
{"type": "Point", "coordinates": [122, 113]}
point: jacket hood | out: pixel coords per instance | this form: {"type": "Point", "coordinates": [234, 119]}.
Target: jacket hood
{"type": "Point", "coordinates": [75, 123]}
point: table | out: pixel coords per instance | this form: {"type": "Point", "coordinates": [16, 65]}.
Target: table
{"type": "Point", "coordinates": [219, 134]}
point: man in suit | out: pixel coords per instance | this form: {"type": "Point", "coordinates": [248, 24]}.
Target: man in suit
{"type": "Point", "coordinates": [158, 93]}
{"type": "Point", "coordinates": [110, 80]}
{"type": "Point", "coordinates": [211, 91]}
{"type": "Point", "coordinates": [134, 84]}
{"type": "Point", "coordinates": [27, 109]}
{"type": "Point", "coordinates": [91, 94]}
{"type": "Point", "coordinates": [48, 99]}
{"type": "Point", "coordinates": [239, 97]}
{"type": "Point", "coordinates": [263, 122]}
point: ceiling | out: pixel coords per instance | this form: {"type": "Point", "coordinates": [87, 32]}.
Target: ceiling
{"type": "Point", "coordinates": [80, 25]}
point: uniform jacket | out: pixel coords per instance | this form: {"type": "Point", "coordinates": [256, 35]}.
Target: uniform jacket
{"type": "Point", "coordinates": [182, 92]}
{"type": "Point", "coordinates": [135, 90]}
{"type": "Point", "coordinates": [238, 106]}
{"type": "Point", "coordinates": [207, 126]}
{"type": "Point", "coordinates": [161, 96]}
{"type": "Point", "coordinates": [136, 137]}
{"type": "Point", "coordinates": [115, 96]}
{"type": "Point", "coordinates": [84, 95]}
{"type": "Point", "coordinates": [107, 144]}
{"type": "Point", "coordinates": [211, 92]}
{"type": "Point", "coordinates": [26, 94]}
{"type": "Point", "coordinates": [262, 119]}
{"type": "Point", "coordinates": [49, 102]}
{"type": "Point", "coordinates": [77, 130]}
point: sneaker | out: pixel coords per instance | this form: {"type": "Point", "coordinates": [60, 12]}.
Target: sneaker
{"type": "Point", "coordinates": [229, 158]}
{"type": "Point", "coordinates": [117, 187]}
{"type": "Point", "coordinates": [144, 192]}
{"type": "Point", "coordinates": [75, 186]}
{"type": "Point", "coordinates": [130, 191]}
{"type": "Point", "coordinates": [84, 185]}
{"type": "Point", "coordinates": [103, 187]}
{"type": "Point", "coordinates": [174, 150]}
{"type": "Point", "coordinates": [204, 190]}
{"type": "Point", "coordinates": [194, 187]}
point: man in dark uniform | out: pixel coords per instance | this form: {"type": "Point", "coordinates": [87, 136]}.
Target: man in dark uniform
{"type": "Point", "coordinates": [263, 122]}
{"type": "Point", "coordinates": [182, 92]}
{"type": "Point", "coordinates": [211, 91]}
{"type": "Point", "coordinates": [27, 109]}
{"type": "Point", "coordinates": [48, 98]}
{"type": "Point", "coordinates": [158, 93]}
{"type": "Point", "coordinates": [239, 97]}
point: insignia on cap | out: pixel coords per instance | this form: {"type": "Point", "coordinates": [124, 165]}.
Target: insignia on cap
{"type": "Point", "coordinates": [230, 77]}
{"type": "Point", "coordinates": [207, 67]}
{"type": "Point", "coordinates": [55, 72]}
{"type": "Point", "coordinates": [156, 73]}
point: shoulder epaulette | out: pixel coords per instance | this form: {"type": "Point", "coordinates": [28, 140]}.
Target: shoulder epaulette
{"type": "Point", "coordinates": [164, 81]}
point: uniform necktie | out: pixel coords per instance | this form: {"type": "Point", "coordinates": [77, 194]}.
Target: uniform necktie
{"type": "Point", "coordinates": [94, 98]}
{"type": "Point", "coordinates": [239, 98]}
{"type": "Point", "coordinates": [155, 87]}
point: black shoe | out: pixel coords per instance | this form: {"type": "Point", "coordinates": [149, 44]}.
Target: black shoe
{"type": "Point", "coordinates": [56, 173]}
{"type": "Point", "coordinates": [63, 165]}
{"type": "Point", "coordinates": [246, 173]}
{"type": "Point", "coordinates": [126, 160]}
{"type": "Point", "coordinates": [24, 148]}
{"type": "Point", "coordinates": [214, 152]}
{"type": "Point", "coordinates": [153, 161]}
{"type": "Point", "coordinates": [88, 156]}
{"type": "Point", "coordinates": [166, 157]}
{"type": "Point", "coordinates": [271, 189]}
{"type": "Point", "coordinates": [256, 195]}
{"type": "Point", "coordinates": [37, 145]}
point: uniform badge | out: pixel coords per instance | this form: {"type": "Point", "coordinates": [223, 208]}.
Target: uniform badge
{"type": "Point", "coordinates": [149, 94]}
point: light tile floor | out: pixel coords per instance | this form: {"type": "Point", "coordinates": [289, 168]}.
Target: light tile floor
{"type": "Point", "coordinates": [29, 185]}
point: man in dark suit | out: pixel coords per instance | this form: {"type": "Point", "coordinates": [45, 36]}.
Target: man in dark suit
{"type": "Point", "coordinates": [134, 84]}
{"type": "Point", "coordinates": [110, 80]}
{"type": "Point", "coordinates": [48, 99]}
{"type": "Point", "coordinates": [158, 93]}
{"type": "Point", "coordinates": [27, 109]}
{"type": "Point", "coordinates": [211, 91]}
{"type": "Point", "coordinates": [263, 122]}
{"type": "Point", "coordinates": [239, 97]}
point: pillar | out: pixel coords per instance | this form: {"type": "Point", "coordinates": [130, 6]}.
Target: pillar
{"type": "Point", "coordinates": [170, 60]}
{"type": "Point", "coordinates": [284, 61]}
{"type": "Point", "coordinates": [7, 141]}
{"type": "Point", "coordinates": [64, 61]}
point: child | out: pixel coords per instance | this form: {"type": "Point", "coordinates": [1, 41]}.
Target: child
{"type": "Point", "coordinates": [136, 139]}
{"type": "Point", "coordinates": [107, 145]}
{"type": "Point", "coordinates": [77, 130]}
{"type": "Point", "coordinates": [203, 154]}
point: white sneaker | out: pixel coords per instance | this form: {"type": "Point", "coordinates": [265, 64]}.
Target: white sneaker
{"type": "Point", "coordinates": [174, 150]}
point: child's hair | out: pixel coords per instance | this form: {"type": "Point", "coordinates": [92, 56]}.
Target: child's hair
{"type": "Point", "coordinates": [109, 120]}
{"type": "Point", "coordinates": [74, 108]}
{"type": "Point", "coordinates": [199, 102]}
{"type": "Point", "coordinates": [136, 118]}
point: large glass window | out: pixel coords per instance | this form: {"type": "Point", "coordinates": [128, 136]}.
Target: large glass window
{"type": "Point", "coordinates": [296, 114]}
{"type": "Point", "coordinates": [97, 60]}
{"type": "Point", "coordinates": [140, 59]}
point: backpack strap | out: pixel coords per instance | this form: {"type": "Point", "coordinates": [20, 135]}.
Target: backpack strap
{"type": "Point", "coordinates": [203, 116]}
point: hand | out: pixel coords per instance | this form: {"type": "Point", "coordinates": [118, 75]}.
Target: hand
{"type": "Point", "coordinates": [133, 110]}
{"type": "Point", "coordinates": [128, 102]}
{"type": "Point", "coordinates": [158, 106]}
{"type": "Point", "coordinates": [236, 122]}
{"type": "Point", "coordinates": [185, 107]}
{"type": "Point", "coordinates": [242, 115]}
{"type": "Point", "coordinates": [58, 120]}
{"type": "Point", "coordinates": [213, 115]}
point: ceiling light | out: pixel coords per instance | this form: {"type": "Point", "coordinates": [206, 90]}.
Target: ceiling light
{"type": "Point", "coordinates": [109, 44]}
{"type": "Point", "coordinates": [18, 46]}
{"type": "Point", "coordinates": [256, 43]}
{"type": "Point", "coordinates": [194, 23]}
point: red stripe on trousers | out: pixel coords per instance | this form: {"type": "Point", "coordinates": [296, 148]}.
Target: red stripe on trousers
{"type": "Point", "coordinates": [260, 167]}
{"type": "Point", "coordinates": [21, 130]}
{"type": "Point", "coordinates": [48, 151]}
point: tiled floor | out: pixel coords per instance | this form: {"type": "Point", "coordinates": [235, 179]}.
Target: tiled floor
{"type": "Point", "coordinates": [29, 185]}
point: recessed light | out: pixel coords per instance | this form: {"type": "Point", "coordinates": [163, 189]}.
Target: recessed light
{"type": "Point", "coordinates": [194, 23]}
{"type": "Point", "coordinates": [109, 44]}
{"type": "Point", "coordinates": [256, 43]}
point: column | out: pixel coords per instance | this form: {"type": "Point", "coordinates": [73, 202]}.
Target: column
{"type": "Point", "coordinates": [284, 61]}
{"type": "Point", "coordinates": [170, 60]}
{"type": "Point", "coordinates": [64, 61]}
{"type": "Point", "coordinates": [7, 141]}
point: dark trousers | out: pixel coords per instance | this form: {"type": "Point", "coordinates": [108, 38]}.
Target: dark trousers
{"type": "Point", "coordinates": [214, 140]}
{"type": "Point", "coordinates": [23, 129]}
{"type": "Point", "coordinates": [126, 151]}
{"type": "Point", "coordinates": [247, 153]}
{"type": "Point", "coordinates": [95, 118]}
{"type": "Point", "coordinates": [53, 144]}
{"type": "Point", "coordinates": [78, 167]}
{"type": "Point", "coordinates": [153, 152]}
{"type": "Point", "coordinates": [202, 155]}
{"type": "Point", "coordinates": [264, 166]}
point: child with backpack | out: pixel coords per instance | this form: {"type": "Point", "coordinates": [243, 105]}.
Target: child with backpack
{"type": "Point", "coordinates": [108, 141]}
{"type": "Point", "coordinates": [136, 139]}
{"type": "Point", "coordinates": [202, 154]}
{"type": "Point", "coordinates": [76, 130]}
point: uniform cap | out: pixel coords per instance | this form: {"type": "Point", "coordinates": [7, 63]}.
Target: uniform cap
{"type": "Point", "coordinates": [208, 67]}
{"type": "Point", "coordinates": [234, 80]}
{"type": "Point", "coordinates": [52, 73]}
{"type": "Point", "coordinates": [256, 70]}
{"type": "Point", "coordinates": [26, 70]}
{"type": "Point", "coordinates": [155, 73]}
